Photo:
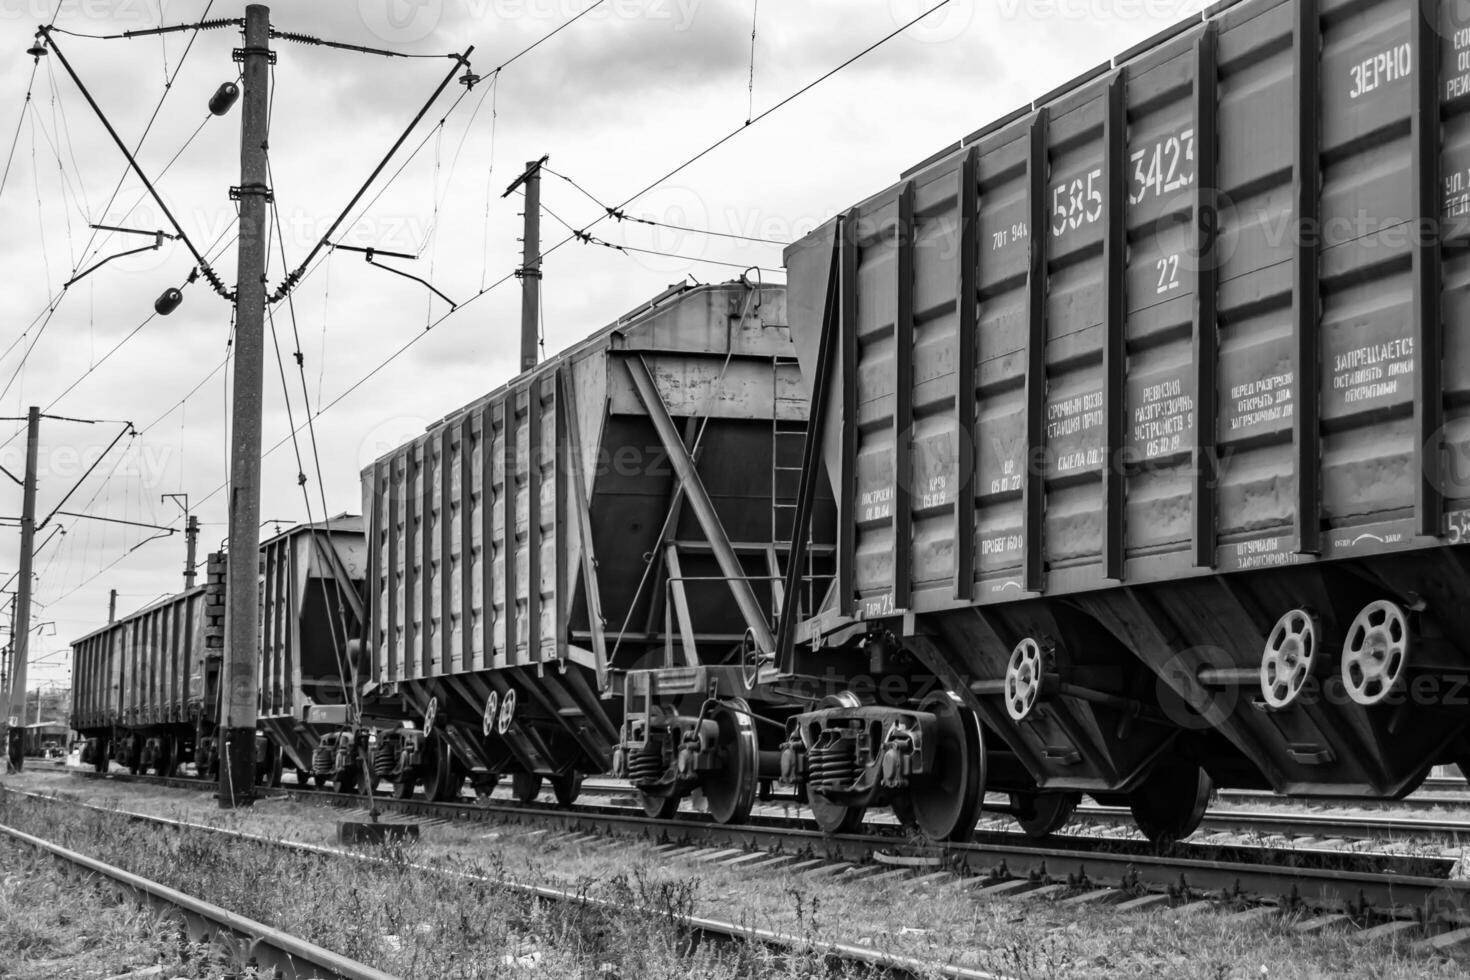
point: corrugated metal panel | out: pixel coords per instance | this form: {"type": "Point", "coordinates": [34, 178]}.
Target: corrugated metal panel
{"type": "Point", "coordinates": [475, 552]}
{"type": "Point", "coordinates": [305, 618]}
{"type": "Point", "coordinates": [1207, 335]}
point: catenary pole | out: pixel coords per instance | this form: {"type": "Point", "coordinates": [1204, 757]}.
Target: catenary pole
{"type": "Point", "coordinates": [20, 623]}
{"type": "Point", "coordinates": [242, 584]}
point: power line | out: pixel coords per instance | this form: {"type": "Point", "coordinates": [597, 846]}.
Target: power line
{"type": "Point", "coordinates": [621, 215]}
{"type": "Point", "coordinates": [418, 336]}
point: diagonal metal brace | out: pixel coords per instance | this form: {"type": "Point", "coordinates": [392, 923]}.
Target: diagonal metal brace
{"type": "Point", "coordinates": [704, 508]}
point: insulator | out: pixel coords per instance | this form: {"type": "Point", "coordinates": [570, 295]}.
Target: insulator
{"type": "Point", "coordinates": [168, 301]}
{"type": "Point", "coordinates": [223, 98]}
{"type": "Point", "coordinates": [36, 50]}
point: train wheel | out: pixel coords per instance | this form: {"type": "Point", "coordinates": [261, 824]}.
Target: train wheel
{"type": "Point", "coordinates": [278, 767]}
{"type": "Point", "coordinates": [834, 818]}
{"type": "Point", "coordinates": [135, 755]}
{"type": "Point", "coordinates": [947, 804]}
{"type": "Point", "coordinates": [659, 807]}
{"type": "Point", "coordinates": [1171, 801]}
{"type": "Point", "coordinates": [102, 756]}
{"type": "Point", "coordinates": [903, 811]}
{"type": "Point", "coordinates": [303, 778]}
{"type": "Point", "coordinates": [1042, 814]}
{"type": "Point", "coordinates": [731, 789]}
{"type": "Point", "coordinates": [567, 787]}
{"type": "Point", "coordinates": [525, 786]}
{"type": "Point", "coordinates": [403, 788]}
{"type": "Point", "coordinates": [443, 779]}
{"type": "Point", "coordinates": [164, 758]}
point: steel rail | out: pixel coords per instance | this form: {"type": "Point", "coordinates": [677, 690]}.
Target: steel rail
{"type": "Point", "coordinates": [1365, 884]}
{"type": "Point", "coordinates": [1264, 822]}
{"type": "Point", "coordinates": [893, 964]}
{"type": "Point", "coordinates": [295, 958]}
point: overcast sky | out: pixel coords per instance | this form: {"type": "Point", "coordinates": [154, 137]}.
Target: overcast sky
{"type": "Point", "coordinates": [617, 99]}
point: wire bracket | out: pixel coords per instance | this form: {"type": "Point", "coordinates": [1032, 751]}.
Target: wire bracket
{"type": "Point", "coordinates": [240, 54]}
{"type": "Point", "coordinates": [247, 190]}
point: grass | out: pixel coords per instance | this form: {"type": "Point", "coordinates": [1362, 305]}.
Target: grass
{"type": "Point", "coordinates": [56, 925]}
{"type": "Point", "coordinates": [1031, 939]}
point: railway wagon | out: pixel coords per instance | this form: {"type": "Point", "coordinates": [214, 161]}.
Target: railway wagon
{"type": "Point", "coordinates": [312, 580]}
{"type": "Point", "coordinates": [145, 688]}
{"type": "Point", "coordinates": [607, 529]}
{"type": "Point", "coordinates": [1147, 408]}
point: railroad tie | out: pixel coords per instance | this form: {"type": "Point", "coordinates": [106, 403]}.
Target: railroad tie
{"type": "Point", "coordinates": [1044, 892]}
{"type": "Point", "coordinates": [1190, 908]}
{"type": "Point", "coordinates": [1443, 941]}
{"type": "Point", "coordinates": [1007, 887]}
{"type": "Point", "coordinates": [719, 855]}
{"type": "Point", "coordinates": [735, 862]}
{"type": "Point", "coordinates": [1143, 902]}
{"type": "Point", "coordinates": [774, 861]}
{"type": "Point", "coordinates": [1098, 896]}
{"type": "Point", "coordinates": [1322, 923]}
{"type": "Point", "coordinates": [827, 869]}
{"type": "Point", "coordinates": [1387, 930]}
{"type": "Point", "coordinates": [1256, 914]}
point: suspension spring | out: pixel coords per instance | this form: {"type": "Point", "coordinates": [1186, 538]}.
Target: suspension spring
{"type": "Point", "coordinates": [322, 759]}
{"type": "Point", "coordinates": [832, 763]}
{"type": "Point", "coordinates": [647, 765]}
{"type": "Point", "coordinates": [385, 758]}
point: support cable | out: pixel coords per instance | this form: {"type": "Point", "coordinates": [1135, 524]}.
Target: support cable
{"type": "Point", "coordinates": [404, 347]}
{"type": "Point", "coordinates": [204, 267]}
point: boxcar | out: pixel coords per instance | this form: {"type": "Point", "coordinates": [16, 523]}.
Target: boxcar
{"type": "Point", "coordinates": [311, 608]}
{"type": "Point", "coordinates": [145, 688]}
{"type": "Point", "coordinates": [1149, 421]}
{"type": "Point", "coordinates": [607, 529]}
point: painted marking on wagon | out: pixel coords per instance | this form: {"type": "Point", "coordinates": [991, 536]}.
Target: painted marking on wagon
{"type": "Point", "coordinates": [1383, 68]}
{"type": "Point", "coordinates": [1372, 371]}
{"type": "Point", "coordinates": [1458, 85]}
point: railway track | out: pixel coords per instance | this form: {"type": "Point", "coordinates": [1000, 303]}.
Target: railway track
{"type": "Point", "coordinates": [270, 948]}
{"type": "Point", "coordinates": [704, 928]}
{"type": "Point", "coordinates": [1317, 887]}
{"type": "Point", "coordinates": [1308, 829]}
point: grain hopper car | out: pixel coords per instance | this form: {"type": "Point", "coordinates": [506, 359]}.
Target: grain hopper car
{"type": "Point", "coordinates": [563, 575]}
{"type": "Point", "coordinates": [1147, 410]}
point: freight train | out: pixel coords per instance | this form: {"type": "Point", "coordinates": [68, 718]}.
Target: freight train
{"type": "Point", "coordinates": [1118, 448]}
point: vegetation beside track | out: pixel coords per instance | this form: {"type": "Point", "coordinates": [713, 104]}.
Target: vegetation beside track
{"type": "Point", "coordinates": [56, 925]}
{"type": "Point", "coordinates": [1032, 938]}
